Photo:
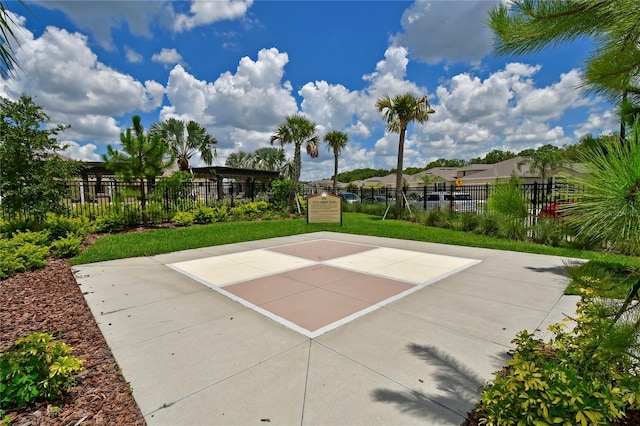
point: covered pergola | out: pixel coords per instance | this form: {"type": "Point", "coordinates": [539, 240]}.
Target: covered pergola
{"type": "Point", "coordinates": [242, 182]}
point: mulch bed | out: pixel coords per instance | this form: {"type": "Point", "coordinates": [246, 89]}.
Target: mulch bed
{"type": "Point", "coordinates": [50, 300]}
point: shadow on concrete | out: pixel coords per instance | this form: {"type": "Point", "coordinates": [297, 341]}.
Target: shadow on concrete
{"type": "Point", "coordinates": [459, 387]}
{"type": "Point", "coordinates": [556, 270]}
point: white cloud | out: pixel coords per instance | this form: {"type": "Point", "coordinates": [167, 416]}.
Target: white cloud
{"type": "Point", "coordinates": [132, 56]}
{"type": "Point", "coordinates": [254, 99]}
{"type": "Point", "coordinates": [446, 31]}
{"type": "Point", "coordinates": [99, 17]}
{"type": "Point", "coordinates": [66, 78]}
{"type": "Point", "coordinates": [167, 57]}
{"type": "Point", "coordinates": [80, 152]}
{"type": "Point", "coordinates": [204, 12]}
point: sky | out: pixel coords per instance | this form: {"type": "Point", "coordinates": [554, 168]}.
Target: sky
{"type": "Point", "coordinates": [239, 67]}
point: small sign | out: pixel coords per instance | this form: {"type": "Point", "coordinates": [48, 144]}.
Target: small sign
{"type": "Point", "coordinates": [324, 208]}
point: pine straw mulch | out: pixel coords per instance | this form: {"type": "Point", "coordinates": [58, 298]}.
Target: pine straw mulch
{"type": "Point", "coordinates": [50, 300]}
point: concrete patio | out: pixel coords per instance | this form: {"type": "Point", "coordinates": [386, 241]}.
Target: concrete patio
{"type": "Point", "coordinates": [200, 347]}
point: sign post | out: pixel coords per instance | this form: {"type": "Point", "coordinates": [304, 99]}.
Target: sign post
{"type": "Point", "coordinates": [324, 208]}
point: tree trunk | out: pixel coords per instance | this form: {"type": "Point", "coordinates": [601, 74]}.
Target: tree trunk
{"type": "Point", "coordinates": [297, 166]}
{"type": "Point", "coordinates": [335, 173]}
{"type": "Point", "coordinates": [399, 197]}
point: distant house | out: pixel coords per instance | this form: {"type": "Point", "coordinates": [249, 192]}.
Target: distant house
{"type": "Point", "coordinates": [473, 174]}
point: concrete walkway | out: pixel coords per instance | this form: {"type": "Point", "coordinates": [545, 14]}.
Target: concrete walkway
{"type": "Point", "coordinates": [194, 356]}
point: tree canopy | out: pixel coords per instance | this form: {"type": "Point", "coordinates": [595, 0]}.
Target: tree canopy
{"type": "Point", "coordinates": [185, 139]}
{"type": "Point", "coordinates": [32, 174]}
{"type": "Point", "coordinates": [398, 112]}
{"type": "Point", "coordinates": [143, 156]}
{"type": "Point", "coordinates": [613, 68]}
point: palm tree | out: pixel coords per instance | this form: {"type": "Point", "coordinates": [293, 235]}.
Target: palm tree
{"type": "Point", "coordinates": [185, 140]}
{"type": "Point", "coordinates": [398, 112]}
{"type": "Point", "coordinates": [336, 140]}
{"type": "Point", "coordinates": [269, 158]}
{"type": "Point", "coordinates": [297, 130]}
{"type": "Point", "coordinates": [239, 160]}
{"type": "Point", "coordinates": [7, 60]}
{"type": "Point", "coordinates": [545, 160]}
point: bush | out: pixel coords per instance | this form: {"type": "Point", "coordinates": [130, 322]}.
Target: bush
{"type": "Point", "coordinates": [68, 246]}
{"type": "Point", "coordinates": [18, 225]}
{"type": "Point", "coordinates": [204, 215]}
{"type": "Point", "coordinates": [23, 252]}
{"type": "Point", "coordinates": [548, 231]}
{"type": "Point", "coordinates": [280, 190]}
{"type": "Point", "coordinates": [588, 375]}
{"type": "Point", "coordinates": [112, 222]}
{"type": "Point", "coordinates": [36, 368]}
{"type": "Point", "coordinates": [183, 219]}
{"type": "Point", "coordinates": [60, 226]}
{"type": "Point", "coordinates": [249, 211]}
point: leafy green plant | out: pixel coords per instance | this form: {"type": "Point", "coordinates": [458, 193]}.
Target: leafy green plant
{"type": "Point", "coordinates": [204, 215]}
{"type": "Point", "coordinates": [68, 246]}
{"type": "Point", "coordinates": [548, 231]}
{"type": "Point", "coordinates": [608, 210]}
{"type": "Point", "coordinates": [60, 226]}
{"type": "Point", "coordinates": [554, 383]}
{"type": "Point", "coordinates": [280, 190]}
{"type": "Point", "coordinates": [112, 222]}
{"type": "Point", "coordinates": [250, 210]}
{"type": "Point", "coordinates": [183, 219]}
{"type": "Point", "coordinates": [509, 205]}
{"type": "Point", "coordinates": [37, 367]}
{"type": "Point", "coordinates": [23, 252]}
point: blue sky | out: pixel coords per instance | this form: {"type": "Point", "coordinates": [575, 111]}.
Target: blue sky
{"type": "Point", "coordinates": [238, 67]}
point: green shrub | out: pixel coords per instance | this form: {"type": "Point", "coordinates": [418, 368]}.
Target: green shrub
{"type": "Point", "coordinates": [36, 368]}
{"type": "Point", "coordinates": [248, 211]}
{"type": "Point", "coordinates": [204, 215]}
{"type": "Point", "coordinates": [508, 199]}
{"type": "Point", "coordinates": [23, 252]}
{"type": "Point", "coordinates": [467, 222]}
{"type": "Point", "coordinates": [488, 225]}
{"type": "Point", "coordinates": [112, 222]}
{"type": "Point", "coordinates": [549, 232]}
{"type": "Point", "coordinates": [155, 213]}
{"type": "Point", "coordinates": [60, 226]}
{"type": "Point", "coordinates": [18, 225]}
{"type": "Point", "coordinates": [437, 218]}
{"type": "Point", "coordinates": [68, 246]}
{"type": "Point", "coordinates": [280, 190]}
{"type": "Point", "coordinates": [38, 238]}
{"type": "Point", "coordinates": [183, 219]}
{"type": "Point", "coordinates": [585, 376]}
{"type": "Point", "coordinates": [512, 228]}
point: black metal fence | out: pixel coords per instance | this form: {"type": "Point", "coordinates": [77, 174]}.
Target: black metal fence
{"type": "Point", "coordinates": [541, 199]}
{"type": "Point", "coordinates": [161, 200]}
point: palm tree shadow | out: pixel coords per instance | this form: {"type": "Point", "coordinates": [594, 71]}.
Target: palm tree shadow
{"type": "Point", "coordinates": [458, 384]}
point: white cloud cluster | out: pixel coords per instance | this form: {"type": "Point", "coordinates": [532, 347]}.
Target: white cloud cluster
{"type": "Point", "coordinates": [446, 31]}
{"type": "Point", "coordinates": [63, 74]}
{"type": "Point", "coordinates": [475, 113]}
{"type": "Point", "coordinates": [167, 57]}
{"type": "Point", "coordinates": [240, 109]}
{"type": "Point", "coordinates": [100, 17]}
{"type": "Point", "coordinates": [203, 12]}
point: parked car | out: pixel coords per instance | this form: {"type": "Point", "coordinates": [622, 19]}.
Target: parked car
{"type": "Point", "coordinates": [377, 199]}
{"type": "Point", "coordinates": [350, 197]}
{"type": "Point", "coordinates": [554, 210]}
{"type": "Point", "coordinates": [458, 201]}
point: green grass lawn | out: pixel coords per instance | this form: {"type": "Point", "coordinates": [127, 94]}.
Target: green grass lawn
{"type": "Point", "coordinates": [157, 241]}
